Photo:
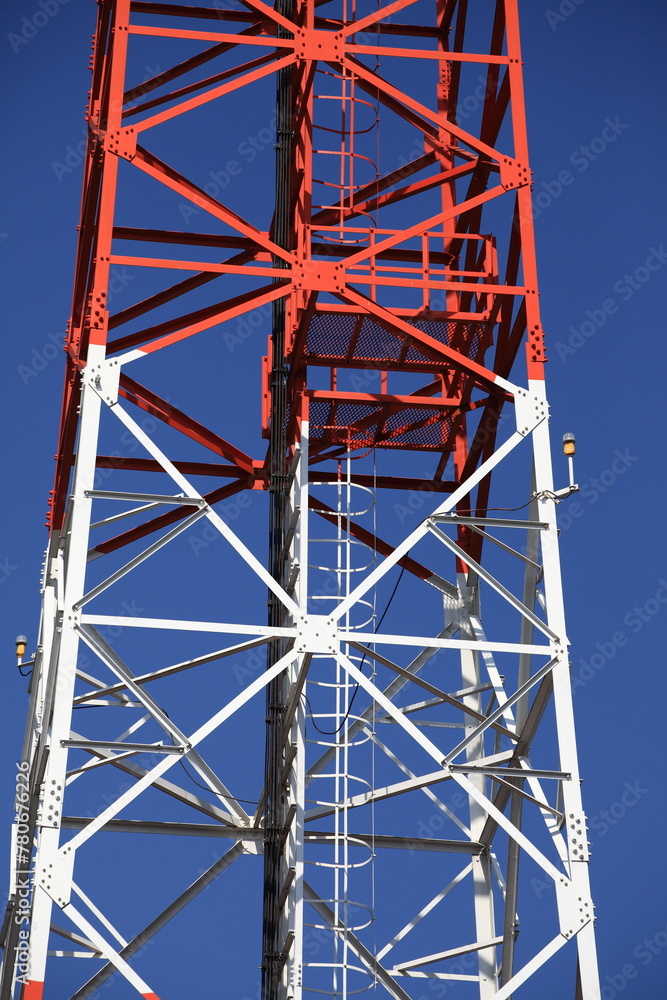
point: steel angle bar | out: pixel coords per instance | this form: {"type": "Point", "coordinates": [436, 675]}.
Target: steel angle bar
{"type": "Point", "coordinates": [491, 580]}
{"type": "Point", "coordinates": [363, 954]}
{"type": "Point", "coordinates": [107, 951]}
{"type": "Point", "coordinates": [227, 39]}
{"type": "Point", "coordinates": [72, 936]}
{"type": "Point", "coordinates": [418, 706]}
{"type": "Point", "coordinates": [91, 765]}
{"type": "Point", "coordinates": [109, 656]}
{"type": "Point", "coordinates": [185, 625]}
{"type": "Point", "coordinates": [425, 723]}
{"type": "Point", "coordinates": [134, 747]}
{"type": "Point", "coordinates": [429, 346]}
{"type": "Point", "coordinates": [153, 167]}
{"type": "Point", "coordinates": [526, 736]}
{"type": "Point", "coordinates": [387, 93]}
{"type": "Point", "coordinates": [167, 518]}
{"type": "Point", "coordinates": [451, 953]}
{"type": "Point", "coordinates": [428, 792]}
{"type": "Point", "coordinates": [296, 691]}
{"type": "Point", "coordinates": [511, 772]}
{"type": "Point", "coordinates": [378, 794]}
{"type": "Point", "coordinates": [503, 546]}
{"type": "Point", "coordinates": [390, 691]}
{"type": "Point", "coordinates": [425, 910]}
{"type": "Point", "coordinates": [427, 641]}
{"type": "Point", "coordinates": [192, 88]}
{"type": "Point", "coordinates": [93, 762]}
{"type": "Point", "coordinates": [288, 718]}
{"type": "Point", "coordinates": [98, 913]}
{"type": "Point", "coordinates": [489, 522]}
{"type": "Point", "coordinates": [167, 413]}
{"type": "Point", "coordinates": [95, 641]}
{"type": "Point", "coordinates": [516, 790]}
{"type": "Point", "coordinates": [168, 761]}
{"type": "Point", "coordinates": [167, 787]}
{"type": "Point", "coordinates": [175, 668]}
{"type": "Point", "coordinates": [445, 698]}
{"type": "Point", "coordinates": [212, 316]}
{"type": "Point", "coordinates": [72, 954]}
{"type": "Point", "coordinates": [270, 13]}
{"type": "Point", "coordinates": [214, 93]}
{"type": "Point", "coordinates": [141, 557]}
{"type": "Point", "coordinates": [318, 506]}
{"type": "Point", "coordinates": [148, 498]}
{"type": "Point", "coordinates": [92, 554]}
{"type": "Point", "coordinates": [492, 670]}
{"type": "Point", "coordinates": [235, 542]}
{"type": "Point", "coordinates": [554, 825]}
{"type": "Point", "coordinates": [475, 689]}
{"type": "Point", "coordinates": [385, 841]}
{"type": "Point", "coordinates": [99, 687]}
{"type": "Point", "coordinates": [509, 827]}
{"type": "Point", "coordinates": [408, 543]}
{"type": "Point", "coordinates": [218, 788]}
{"type": "Point", "coordinates": [94, 701]}
{"type": "Point", "coordinates": [500, 711]}
{"type": "Point", "coordinates": [377, 695]}
{"type": "Point", "coordinates": [171, 829]}
{"type": "Point", "coordinates": [444, 54]}
{"type": "Point", "coordinates": [453, 976]}
{"type": "Point", "coordinates": [520, 977]}
{"type": "Point", "coordinates": [379, 15]}
{"type": "Point", "coordinates": [161, 920]}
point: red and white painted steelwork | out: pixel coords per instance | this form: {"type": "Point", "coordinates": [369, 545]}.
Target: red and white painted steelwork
{"type": "Point", "coordinates": [400, 294]}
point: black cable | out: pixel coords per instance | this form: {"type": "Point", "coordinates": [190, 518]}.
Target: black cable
{"type": "Point", "coordinates": [470, 511]}
{"type": "Point", "coordinates": [206, 788]}
{"type": "Point", "coordinates": [334, 732]}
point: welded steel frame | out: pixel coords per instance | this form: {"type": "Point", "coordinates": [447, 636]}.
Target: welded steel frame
{"type": "Point", "coordinates": [497, 298]}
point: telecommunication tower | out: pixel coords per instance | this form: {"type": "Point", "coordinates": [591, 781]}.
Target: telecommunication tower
{"type": "Point", "coordinates": [384, 764]}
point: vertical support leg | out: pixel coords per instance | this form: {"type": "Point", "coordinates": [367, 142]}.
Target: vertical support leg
{"type": "Point", "coordinates": [575, 913]}
{"type": "Point", "coordinates": [481, 865]}
{"type": "Point", "coordinates": [531, 575]}
{"type": "Point", "coordinates": [61, 685]}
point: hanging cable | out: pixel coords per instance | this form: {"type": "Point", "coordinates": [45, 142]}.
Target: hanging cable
{"type": "Point", "coordinates": [206, 788]}
{"type": "Point", "coordinates": [334, 732]}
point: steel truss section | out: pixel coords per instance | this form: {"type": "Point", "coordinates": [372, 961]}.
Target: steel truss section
{"type": "Point", "coordinates": [398, 294]}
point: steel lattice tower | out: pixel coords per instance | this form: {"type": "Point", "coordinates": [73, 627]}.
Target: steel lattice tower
{"type": "Point", "coordinates": [415, 652]}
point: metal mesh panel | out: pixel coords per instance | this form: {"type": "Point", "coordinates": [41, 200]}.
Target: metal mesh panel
{"type": "Point", "coordinates": [336, 337]}
{"type": "Point", "coordinates": [364, 425]}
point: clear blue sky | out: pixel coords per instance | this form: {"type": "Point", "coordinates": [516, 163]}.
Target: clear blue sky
{"type": "Point", "coordinates": [595, 85]}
